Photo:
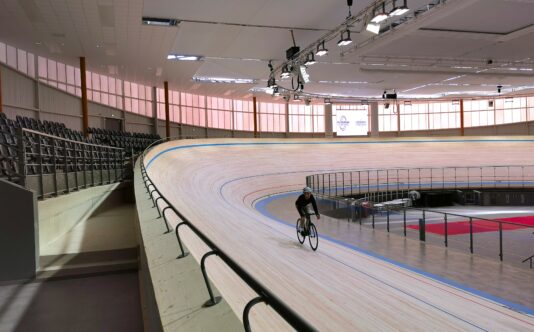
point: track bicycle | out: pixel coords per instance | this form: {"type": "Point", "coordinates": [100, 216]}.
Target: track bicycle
{"type": "Point", "coordinates": [310, 231]}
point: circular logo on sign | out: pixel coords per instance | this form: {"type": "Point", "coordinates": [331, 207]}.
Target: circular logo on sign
{"type": "Point", "coordinates": [343, 123]}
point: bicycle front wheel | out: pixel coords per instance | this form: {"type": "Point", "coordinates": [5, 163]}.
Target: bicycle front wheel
{"type": "Point", "coordinates": [313, 237]}
{"type": "Point", "coordinates": [300, 237]}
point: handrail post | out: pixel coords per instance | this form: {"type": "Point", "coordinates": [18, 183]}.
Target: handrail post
{"type": "Point", "coordinates": [76, 166]}
{"type": "Point", "coordinates": [446, 232]}
{"type": "Point", "coordinates": [41, 173]}
{"type": "Point", "coordinates": [471, 234]}
{"type": "Point", "coordinates": [21, 157]}
{"type": "Point", "coordinates": [183, 254]}
{"type": "Point", "coordinates": [387, 220]}
{"type": "Point", "coordinates": [250, 304]}
{"type": "Point", "coordinates": [157, 207]}
{"type": "Point", "coordinates": [404, 220]}
{"type": "Point", "coordinates": [373, 215]}
{"type": "Point", "coordinates": [66, 166]}
{"type": "Point", "coordinates": [165, 219]}
{"type": "Point", "coordinates": [54, 164]}
{"type": "Point", "coordinates": [84, 159]}
{"type": "Point", "coordinates": [500, 241]}
{"type": "Point", "coordinates": [213, 300]}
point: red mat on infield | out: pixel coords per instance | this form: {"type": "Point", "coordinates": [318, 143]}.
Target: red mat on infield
{"type": "Point", "coordinates": [479, 226]}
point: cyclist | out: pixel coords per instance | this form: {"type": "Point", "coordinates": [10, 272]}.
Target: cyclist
{"type": "Point", "coordinates": [302, 205]}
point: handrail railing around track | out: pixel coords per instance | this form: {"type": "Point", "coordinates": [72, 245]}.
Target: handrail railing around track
{"type": "Point", "coordinates": [264, 295]}
{"type": "Point", "coordinates": [360, 207]}
{"type": "Point", "coordinates": [396, 181]}
{"type": "Point", "coordinates": [528, 258]}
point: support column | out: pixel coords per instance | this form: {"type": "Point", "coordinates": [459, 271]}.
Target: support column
{"type": "Point", "coordinates": [254, 107]}
{"type": "Point", "coordinates": [462, 117]}
{"type": "Point", "coordinates": [155, 110]}
{"type": "Point", "coordinates": [167, 118]}
{"type": "Point", "coordinates": [287, 119]}
{"type": "Point", "coordinates": [373, 108]}
{"type": "Point", "coordinates": [328, 127]}
{"type": "Point", "coordinates": [85, 111]}
{"type": "Point", "coordinates": [1, 105]}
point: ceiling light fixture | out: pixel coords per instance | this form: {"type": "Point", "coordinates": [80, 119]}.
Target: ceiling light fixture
{"type": "Point", "coordinates": [271, 83]}
{"type": "Point", "coordinates": [184, 57]}
{"type": "Point", "coordinates": [285, 72]}
{"type": "Point", "coordinates": [344, 40]}
{"type": "Point", "coordinates": [296, 98]}
{"type": "Point", "coordinates": [162, 22]}
{"type": "Point", "coordinates": [327, 101]}
{"type": "Point", "coordinates": [373, 27]}
{"type": "Point", "coordinates": [321, 50]}
{"type": "Point", "coordinates": [310, 60]}
{"type": "Point", "coordinates": [398, 11]}
{"type": "Point", "coordinates": [381, 15]}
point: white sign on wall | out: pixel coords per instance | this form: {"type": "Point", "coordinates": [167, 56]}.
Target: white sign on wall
{"type": "Point", "coordinates": [351, 123]}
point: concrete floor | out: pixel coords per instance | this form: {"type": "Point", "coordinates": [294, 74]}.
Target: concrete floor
{"type": "Point", "coordinates": [479, 273]}
{"type": "Point", "coordinates": [91, 280]}
{"type": "Point", "coordinates": [99, 303]}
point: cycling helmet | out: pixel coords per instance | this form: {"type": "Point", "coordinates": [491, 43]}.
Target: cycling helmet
{"type": "Point", "coordinates": [306, 190]}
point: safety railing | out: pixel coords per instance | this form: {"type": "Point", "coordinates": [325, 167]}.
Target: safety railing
{"type": "Point", "coordinates": [398, 182]}
{"type": "Point", "coordinates": [264, 295]}
{"type": "Point", "coordinates": [52, 165]}
{"type": "Point", "coordinates": [485, 236]}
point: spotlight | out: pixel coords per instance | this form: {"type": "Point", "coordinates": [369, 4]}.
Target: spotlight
{"type": "Point", "coordinates": [345, 40]}
{"type": "Point", "coordinates": [321, 50]}
{"type": "Point", "coordinates": [307, 101]}
{"type": "Point", "coordinates": [373, 27]}
{"type": "Point", "coordinates": [285, 72]}
{"type": "Point", "coordinates": [275, 91]}
{"type": "Point", "coordinates": [271, 83]}
{"type": "Point", "coordinates": [381, 15]}
{"type": "Point", "coordinates": [296, 98]}
{"type": "Point", "coordinates": [310, 59]}
{"type": "Point", "coordinates": [499, 88]}
{"type": "Point", "coordinates": [398, 11]}
{"type": "Point", "coordinates": [327, 101]}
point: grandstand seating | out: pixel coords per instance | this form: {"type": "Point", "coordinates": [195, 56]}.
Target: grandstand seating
{"type": "Point", "coordinates": [126, 140]}
{"type": "Point", "coordinates": [44, 154]}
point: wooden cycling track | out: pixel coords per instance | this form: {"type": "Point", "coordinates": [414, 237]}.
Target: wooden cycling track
{"type": "Point", "coordinates": [214, 182]}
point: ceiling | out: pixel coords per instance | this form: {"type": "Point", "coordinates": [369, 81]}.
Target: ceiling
{"type": "Point", "coordinates": [443, 52]}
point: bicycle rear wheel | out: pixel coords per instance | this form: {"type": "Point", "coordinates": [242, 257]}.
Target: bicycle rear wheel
{"type": "Point", "coordinates": [313, 237]}
{"type": "Point", "coordinates": [300, 237]}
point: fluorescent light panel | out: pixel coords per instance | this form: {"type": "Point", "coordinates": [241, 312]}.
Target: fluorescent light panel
{"type": "Point", "coordinates": [205, 79]}
{"type": "Point", "coordinates": [163, 22]}
{"type": "Point", "coordinates": [184, 57]}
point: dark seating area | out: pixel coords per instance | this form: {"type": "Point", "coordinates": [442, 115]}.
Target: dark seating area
{"type": "Point", "coordinates": [125, 140]}
{"type": "Point", "coordinates": [51, 158]}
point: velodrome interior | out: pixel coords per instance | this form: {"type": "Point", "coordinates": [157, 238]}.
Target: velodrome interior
{"type": "Point", "coordinates": [144, 192]}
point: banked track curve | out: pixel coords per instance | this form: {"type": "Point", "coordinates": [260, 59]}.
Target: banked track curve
{"type": "Point", "coordinates": [213, 182]}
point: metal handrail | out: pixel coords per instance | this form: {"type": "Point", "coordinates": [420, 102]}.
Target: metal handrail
{"type": "Point", "coordinates": [398, 181]}
{"type": "Point", "coordinates": [528, 258]}
{"type": "Point", "coordinates": [69, 140]}
{"type": "Point", "coordinates": [264, 294]}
